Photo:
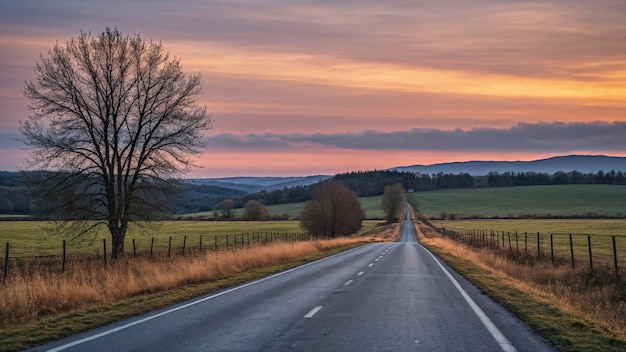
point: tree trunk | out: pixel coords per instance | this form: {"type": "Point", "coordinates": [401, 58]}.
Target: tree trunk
{"type": "Point", "coordinates": [117, 246]}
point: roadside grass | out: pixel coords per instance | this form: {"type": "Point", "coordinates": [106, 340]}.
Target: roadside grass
{"type": "Point", "coordinates": [561, 200]}
{"type": "Point", "coordinates": [50, 306]}
{"type": "Point", "coordinates": [30, 239]}
{"type": "Point", "coordinates": [573, 309]}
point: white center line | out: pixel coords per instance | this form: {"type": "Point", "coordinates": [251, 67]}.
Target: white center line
{"type": "Point", "coordinates": [360, 273]}
{"type": "Point", "coordinates": [371, 265]}
{"type": "Point", "coordinates": [348, 282]}
{"type": "Point", "coordinates": [312, 312]}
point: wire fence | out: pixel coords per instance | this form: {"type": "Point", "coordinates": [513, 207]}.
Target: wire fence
{"type": "Point", "coordinates": [560, 249]}
{"type": "Point", "coordinates": [146, 248]}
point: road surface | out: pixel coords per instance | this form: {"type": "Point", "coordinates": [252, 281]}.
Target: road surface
{"type": "Point", "coordinates": [378, 297]}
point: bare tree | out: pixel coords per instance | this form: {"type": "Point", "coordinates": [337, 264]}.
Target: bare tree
{"type": "Point", "coordinates": [392, 202]}
{"type": "Point", "coordinates": [255, 210]}
{"type": "Point", "coordinates": [113, 117]}
{"type": "Point", "coordinates": [334, 211]}
{"type": "Point", "coordinates": [226, 208]}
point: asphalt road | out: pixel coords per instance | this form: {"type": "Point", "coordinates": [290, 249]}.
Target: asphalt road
{"type": "Point", "coordinates": [378, 297]}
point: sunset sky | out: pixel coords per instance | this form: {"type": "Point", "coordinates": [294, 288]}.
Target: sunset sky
{"type": "Point", "coordinates": [327, 86]}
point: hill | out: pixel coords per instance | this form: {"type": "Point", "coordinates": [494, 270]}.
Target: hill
{"type": "Point", "coordinates": [525, 201]}
{"type": "Point", "coordinates": [257, 184]}
{"type": "Point", "coordinates": [581, 163]}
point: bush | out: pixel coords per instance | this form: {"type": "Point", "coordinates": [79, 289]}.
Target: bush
{"type": "Point", "coordinates": [334, 211]}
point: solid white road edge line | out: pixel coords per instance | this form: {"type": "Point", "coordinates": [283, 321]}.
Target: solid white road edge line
{"type": "Point", "coordinates": [312, 312]}
{"type": "Point", "coordinates": [137, 322]}
{"type": "Point", "coordinates": [504, 343]}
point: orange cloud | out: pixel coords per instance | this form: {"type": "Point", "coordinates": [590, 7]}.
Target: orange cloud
{"type": "Point", "coordinates": [333, 71]}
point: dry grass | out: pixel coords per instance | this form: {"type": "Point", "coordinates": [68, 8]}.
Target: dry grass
{"type": "Point", "coordinates": [596, 296]}
{"type": "Point", "coordinates": [384, 232]}
{"type": "Point", "coordinates": [33, 293]}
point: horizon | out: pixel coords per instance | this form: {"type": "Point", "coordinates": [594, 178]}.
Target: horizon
{"type": "Point", "coordinates": [320, 88]}
{"type": "Point", "coordinates": [192, 177]}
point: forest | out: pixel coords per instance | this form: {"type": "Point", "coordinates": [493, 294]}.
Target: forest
{"type": "Point", "coordinates": [16, 197]}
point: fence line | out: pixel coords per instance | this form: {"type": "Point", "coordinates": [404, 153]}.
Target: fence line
{"type": "Point", "coordinates": [240, 240]}
{"type": "Point", "coordinates": [598, 247]}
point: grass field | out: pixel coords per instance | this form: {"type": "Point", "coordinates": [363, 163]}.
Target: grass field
{"type": "Point", "coordinates": [371, 206]}
{"type": "Point", "coordinates": [28, 238]}
{"type": "Point", "coordinates": [565, 200]}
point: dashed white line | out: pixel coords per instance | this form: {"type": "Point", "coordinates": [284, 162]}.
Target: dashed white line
{"type": "Point", "coordinates": [371, 265]}
{"type": "Point", "coordinates": [359, 274]}
{"type": "Point", "coordinates": [312, 312]}
{"type": "Point", "coordinates": [348, 282]}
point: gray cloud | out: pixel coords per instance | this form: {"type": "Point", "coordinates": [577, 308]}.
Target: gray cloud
{"type": "Point", "coordinates": [523, 137]}
{"type": "Point", "coordinates": [530, 38]}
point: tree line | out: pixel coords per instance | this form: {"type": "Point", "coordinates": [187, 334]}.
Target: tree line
{"type": "Point", "coordinates": [508, 179]}
{"type": "Point", "coordinates": [17, 199]}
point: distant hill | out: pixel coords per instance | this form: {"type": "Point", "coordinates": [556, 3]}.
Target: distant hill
{"type": "Point", "coordinates": [256, 184]}
{"type": "Point", "coordinates": [581, 163]}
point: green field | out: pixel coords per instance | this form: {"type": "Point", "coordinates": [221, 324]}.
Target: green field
{"type": "Point", "coordinates": [371, 206]}
{"type": "Point", "coordinates": [519, 201]}
{"type": "Point", "coordinates": [554, 226]}
{"type": "Point", "coordinates": [28, 238]}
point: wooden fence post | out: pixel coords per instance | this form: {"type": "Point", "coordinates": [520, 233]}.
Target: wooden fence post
{"type": "Point", "coordinates": [169, 247]}
{"type": "Point", "coordinates": [200, 244]}
{"type": "Point", "coordinates": [571, 248]}
{"type": "Point", "coordinates": [590, 256]}
{"type": "Point", "coordinates": [151, 247]}
{"type": "Point", "coordinates": [215, 242]}
{"type": "Point", "coordinates": [526, 244]}
{"type": "Point", "coordinates": [226, 241]}
{"type": "Point", "coordinates": [63, 263]}
{"type": "Point", "coordinates": [104, 245]}
{"type": "Point", "coordinates": [184, 244]}
{"type": "Point", "coordinates": [134, 249]}
{"type": "Point", "coordinates": [6, 263]}
{"type": "Point", "coordinates": [516, 243]}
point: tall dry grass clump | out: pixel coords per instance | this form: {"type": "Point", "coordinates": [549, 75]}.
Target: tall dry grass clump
{"type": "Point", "coordinates": [596, 295]}
{"type": "Point", "coordinates": [34, 292]}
